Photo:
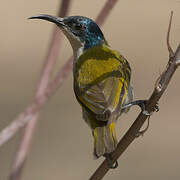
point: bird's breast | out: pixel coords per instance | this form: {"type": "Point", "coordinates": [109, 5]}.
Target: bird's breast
{"type": "Point", "coordinates": [95, 65]}
{"type": "Point", "coordinates": [93, 70]}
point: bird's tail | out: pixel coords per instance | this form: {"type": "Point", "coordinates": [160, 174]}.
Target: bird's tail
{"type": "Point", "coordinates": [104, 140]}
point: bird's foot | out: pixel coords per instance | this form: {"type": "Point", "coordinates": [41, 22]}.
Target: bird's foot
{"type": "Point", "coordinates": [142, 105]}
{"type": "Point", "coordinates": [109, 161]}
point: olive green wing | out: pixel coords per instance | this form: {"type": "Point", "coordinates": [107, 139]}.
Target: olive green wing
{"type": "Point", "coordinates": [107, 95]}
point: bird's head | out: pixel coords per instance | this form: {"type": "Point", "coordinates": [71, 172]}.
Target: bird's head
{"type": "Point", "coordinates": [82, 32]}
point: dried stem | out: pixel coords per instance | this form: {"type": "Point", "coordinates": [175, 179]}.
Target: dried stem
{"type": "Point", "coordinates": [171, 53]}
{"type": "Point", "coordinates": [159, 89]}
{"type": "Point", "coordinates": [49, 63]}
{"type": "Point", "coordinates": [24, 148]}
{"type": "Point", "coordinates": [105, 11]}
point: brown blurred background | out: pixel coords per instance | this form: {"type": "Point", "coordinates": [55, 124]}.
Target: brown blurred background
{"type": "Point", "coordinates": [62, 146]}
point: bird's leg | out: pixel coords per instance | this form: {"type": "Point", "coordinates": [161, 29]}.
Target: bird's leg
{"type": "Point", "coordinates": [109, 161]}
{"type": "Point", "coordinates": [141, 104]}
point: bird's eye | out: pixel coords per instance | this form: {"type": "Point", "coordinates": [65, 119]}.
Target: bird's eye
{"type": "Point", "coordinates": [79, 26]}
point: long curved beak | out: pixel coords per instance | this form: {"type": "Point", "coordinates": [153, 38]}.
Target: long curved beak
{"type": "Point", "coordinates": [57, 20]}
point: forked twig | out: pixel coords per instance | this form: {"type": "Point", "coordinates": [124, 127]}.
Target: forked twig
{"type": "Point", "coordinates": [159, 89]}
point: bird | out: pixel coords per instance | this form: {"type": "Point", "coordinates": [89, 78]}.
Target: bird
{"type": "Point", "coordinates": [101, 78]}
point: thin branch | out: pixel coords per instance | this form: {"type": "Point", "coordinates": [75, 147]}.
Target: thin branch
{"type": "Point", "coordinates": [8, 132]}
{"type": "Point", "coordinates": [50, 60]}
{"type": "Point", "coordinates": [171, 53]}
{"type": "Point", "coordinates": [130, 136]}
{"type": "Point", "coordinates": [54, 47]}
{"type": "Point", "coordinates": [24, 148]}
{"type": "Point", "coordinates": [19, 122]}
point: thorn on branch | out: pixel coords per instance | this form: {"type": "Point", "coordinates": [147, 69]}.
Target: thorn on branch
{"type": "Point", "coordinates": [178, 62]}
{"type": "Point", "coordinates": [158, 86]}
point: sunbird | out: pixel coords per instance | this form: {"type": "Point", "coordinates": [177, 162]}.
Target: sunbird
{"type": "Point", "coordinates": [101, 80]}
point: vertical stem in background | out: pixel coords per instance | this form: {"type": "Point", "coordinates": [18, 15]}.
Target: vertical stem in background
{"type": "Point", "coordinates": [105, 11]}
{"type": "Point", "coordinates": [24, 149]}
{"type": "Point", "coordinates": [52, 52]}
{"type": "Point", "coordinates": [49, 63]}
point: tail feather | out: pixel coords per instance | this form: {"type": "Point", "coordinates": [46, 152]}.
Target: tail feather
{"type": "Point", "coordinates": [99, 147]}
{"type": "Point", "coordinates": [104, 140]}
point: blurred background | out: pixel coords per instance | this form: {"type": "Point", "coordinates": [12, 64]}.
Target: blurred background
{"type": "Point", "coordinates": [62, 146]}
